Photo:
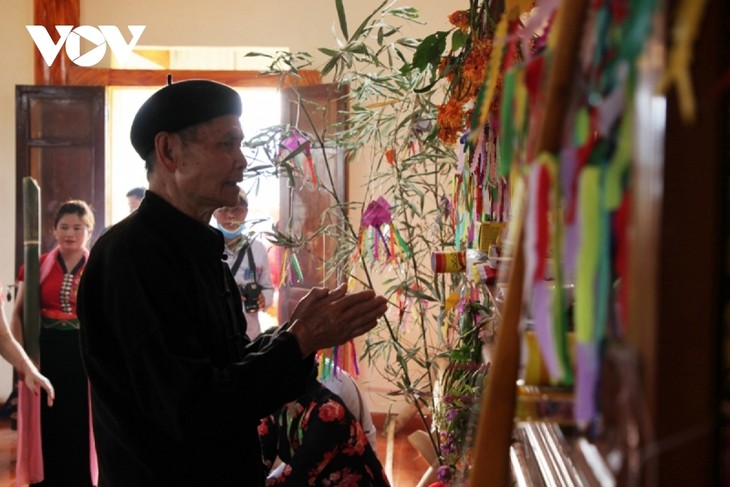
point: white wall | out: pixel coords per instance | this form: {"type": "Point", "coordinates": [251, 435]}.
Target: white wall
{"type": "Point", "coordinates": [300, 26]}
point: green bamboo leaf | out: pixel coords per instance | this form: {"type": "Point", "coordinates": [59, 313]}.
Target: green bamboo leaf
{"type": "Point", "coordinates": [389, 30]}
{"type": "Point", "coordinates": [330, 52]}
{"type": "Point", "coordinates": [289, 173]}
{"type": "Point", "coordinates": [342, 17]}
{"type": "Point", "coordinates": [258, 54]}
{"type": "Point", "coordinates": [405, 13]}
{"type": "Point", "coordinates": [357, 48]}
{"type": "Point", "coordinates": [400, 55]}
{"type": "Point", "coordinates": [408, 42]}
{"type": "Point", "coordinates": [365, 22]}
{"type": "Point", "coordinates": [330, 65]}
{"type": "Point", "coordinates": [426, 88]}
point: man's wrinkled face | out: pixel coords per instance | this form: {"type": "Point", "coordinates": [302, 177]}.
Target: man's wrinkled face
{"type": "Point", "coordinates": [211, 164]}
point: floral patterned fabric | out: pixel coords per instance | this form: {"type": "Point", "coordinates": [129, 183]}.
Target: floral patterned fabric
{"type": "Point", "coordinates": [321, 443]}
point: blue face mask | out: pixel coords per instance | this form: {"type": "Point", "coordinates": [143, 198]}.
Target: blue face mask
{"type": "Point", "coordinates": [231, 235]}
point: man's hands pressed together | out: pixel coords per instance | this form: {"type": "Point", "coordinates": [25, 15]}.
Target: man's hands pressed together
{"type": "Point", "coordinates": [325, 318]}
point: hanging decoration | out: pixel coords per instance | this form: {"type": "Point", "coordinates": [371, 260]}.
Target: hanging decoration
{"type": "Point", "coordinates": [544, 282]}
{"type": "Point", "coordinates": [377, 228]}
{"type": "Point", "coordinates": [290, 269]}
{"type": "Point", "coordinates": [299, 148]}
{"type": "Point", "coordinates": [332, 360]}
{"type": "Point", "coordinates": [480, 193]}
{"type": "Point", "coordinates": [595, 177]}
{"type": "Point", "coordinates": [687, 24]}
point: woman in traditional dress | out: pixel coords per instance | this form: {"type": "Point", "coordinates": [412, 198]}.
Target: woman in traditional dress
{"type": "Point", "coordinates": [64, 437]}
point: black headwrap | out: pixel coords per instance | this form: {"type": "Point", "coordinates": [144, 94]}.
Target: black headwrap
{"type": "Point", "coordinates": [181, 105]}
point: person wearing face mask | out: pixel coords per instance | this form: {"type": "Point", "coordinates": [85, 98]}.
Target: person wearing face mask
{"type": "Point", "coordinates": [58, 450]}
{"type": "Point", "coordinates": [248, 262]}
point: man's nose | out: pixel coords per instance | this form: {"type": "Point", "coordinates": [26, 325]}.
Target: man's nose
{"type": "Point", "coordinates": [242, 160]}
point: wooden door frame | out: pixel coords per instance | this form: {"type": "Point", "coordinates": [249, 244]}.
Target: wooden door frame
{"type": "Point", "coordinates": [26, 141]}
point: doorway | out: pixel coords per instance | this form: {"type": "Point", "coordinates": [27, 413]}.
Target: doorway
{"type": "Point", "coordinates": [125, 170]}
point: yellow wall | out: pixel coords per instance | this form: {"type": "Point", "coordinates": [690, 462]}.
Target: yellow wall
{"type": "Point", "coordinates": [300, 26]}
{"type": "Point", "coordinates": [304, 25]}
{"type": "Point", "coordinates": [17, 69]}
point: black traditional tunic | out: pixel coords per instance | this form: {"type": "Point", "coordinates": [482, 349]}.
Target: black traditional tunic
{"type": "Point", "coordinates": [177, 388]}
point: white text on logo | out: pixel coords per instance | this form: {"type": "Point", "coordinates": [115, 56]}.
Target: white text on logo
{"type": "Point", "coordinates": [105, 34]}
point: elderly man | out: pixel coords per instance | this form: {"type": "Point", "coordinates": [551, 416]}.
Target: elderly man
{"type": "Point", "coordinates": [177, 387]}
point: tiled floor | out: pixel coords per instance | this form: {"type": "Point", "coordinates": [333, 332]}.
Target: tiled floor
{"type": "Point", "coordinates": [7, 454]}
{"type": "Point", "coordinates": [407, 465]}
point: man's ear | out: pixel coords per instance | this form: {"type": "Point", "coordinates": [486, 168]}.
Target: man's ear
{"type": "Point", "coordinates": [165, 144]}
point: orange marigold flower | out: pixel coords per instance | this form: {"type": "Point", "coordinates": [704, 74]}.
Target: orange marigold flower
{"type": "Point", "coordinates": [475, 65]}
{"type": "Point", "coordinates": [450, 119]}
{"type": "Point", "coordinates": [460, 19]}
{"type": "Point", "coordinates": [447, 135]}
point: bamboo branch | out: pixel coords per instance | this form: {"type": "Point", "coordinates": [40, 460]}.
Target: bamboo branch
{"type": "Point", "coordinates": [31, 246]}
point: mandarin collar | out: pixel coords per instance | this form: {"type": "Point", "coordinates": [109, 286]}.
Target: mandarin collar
{"type": "Point", "coordinates": [177, 224]}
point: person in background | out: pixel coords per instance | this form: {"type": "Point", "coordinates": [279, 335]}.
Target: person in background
{"type": "Point", "coordinates": [134, 198]}
{"type": "Point", "coordinates": [343, 384]}
{"type": "Point", "coordinates": [177, 388]}
{"type": "Point", "coordinates": [319, 441]}
{"type": "Point", "coordinates": [68, 456]}
{"type": "Point", "coordinates": [328, 444]}
{"type": "Point", "coordinates": [248, 261]}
